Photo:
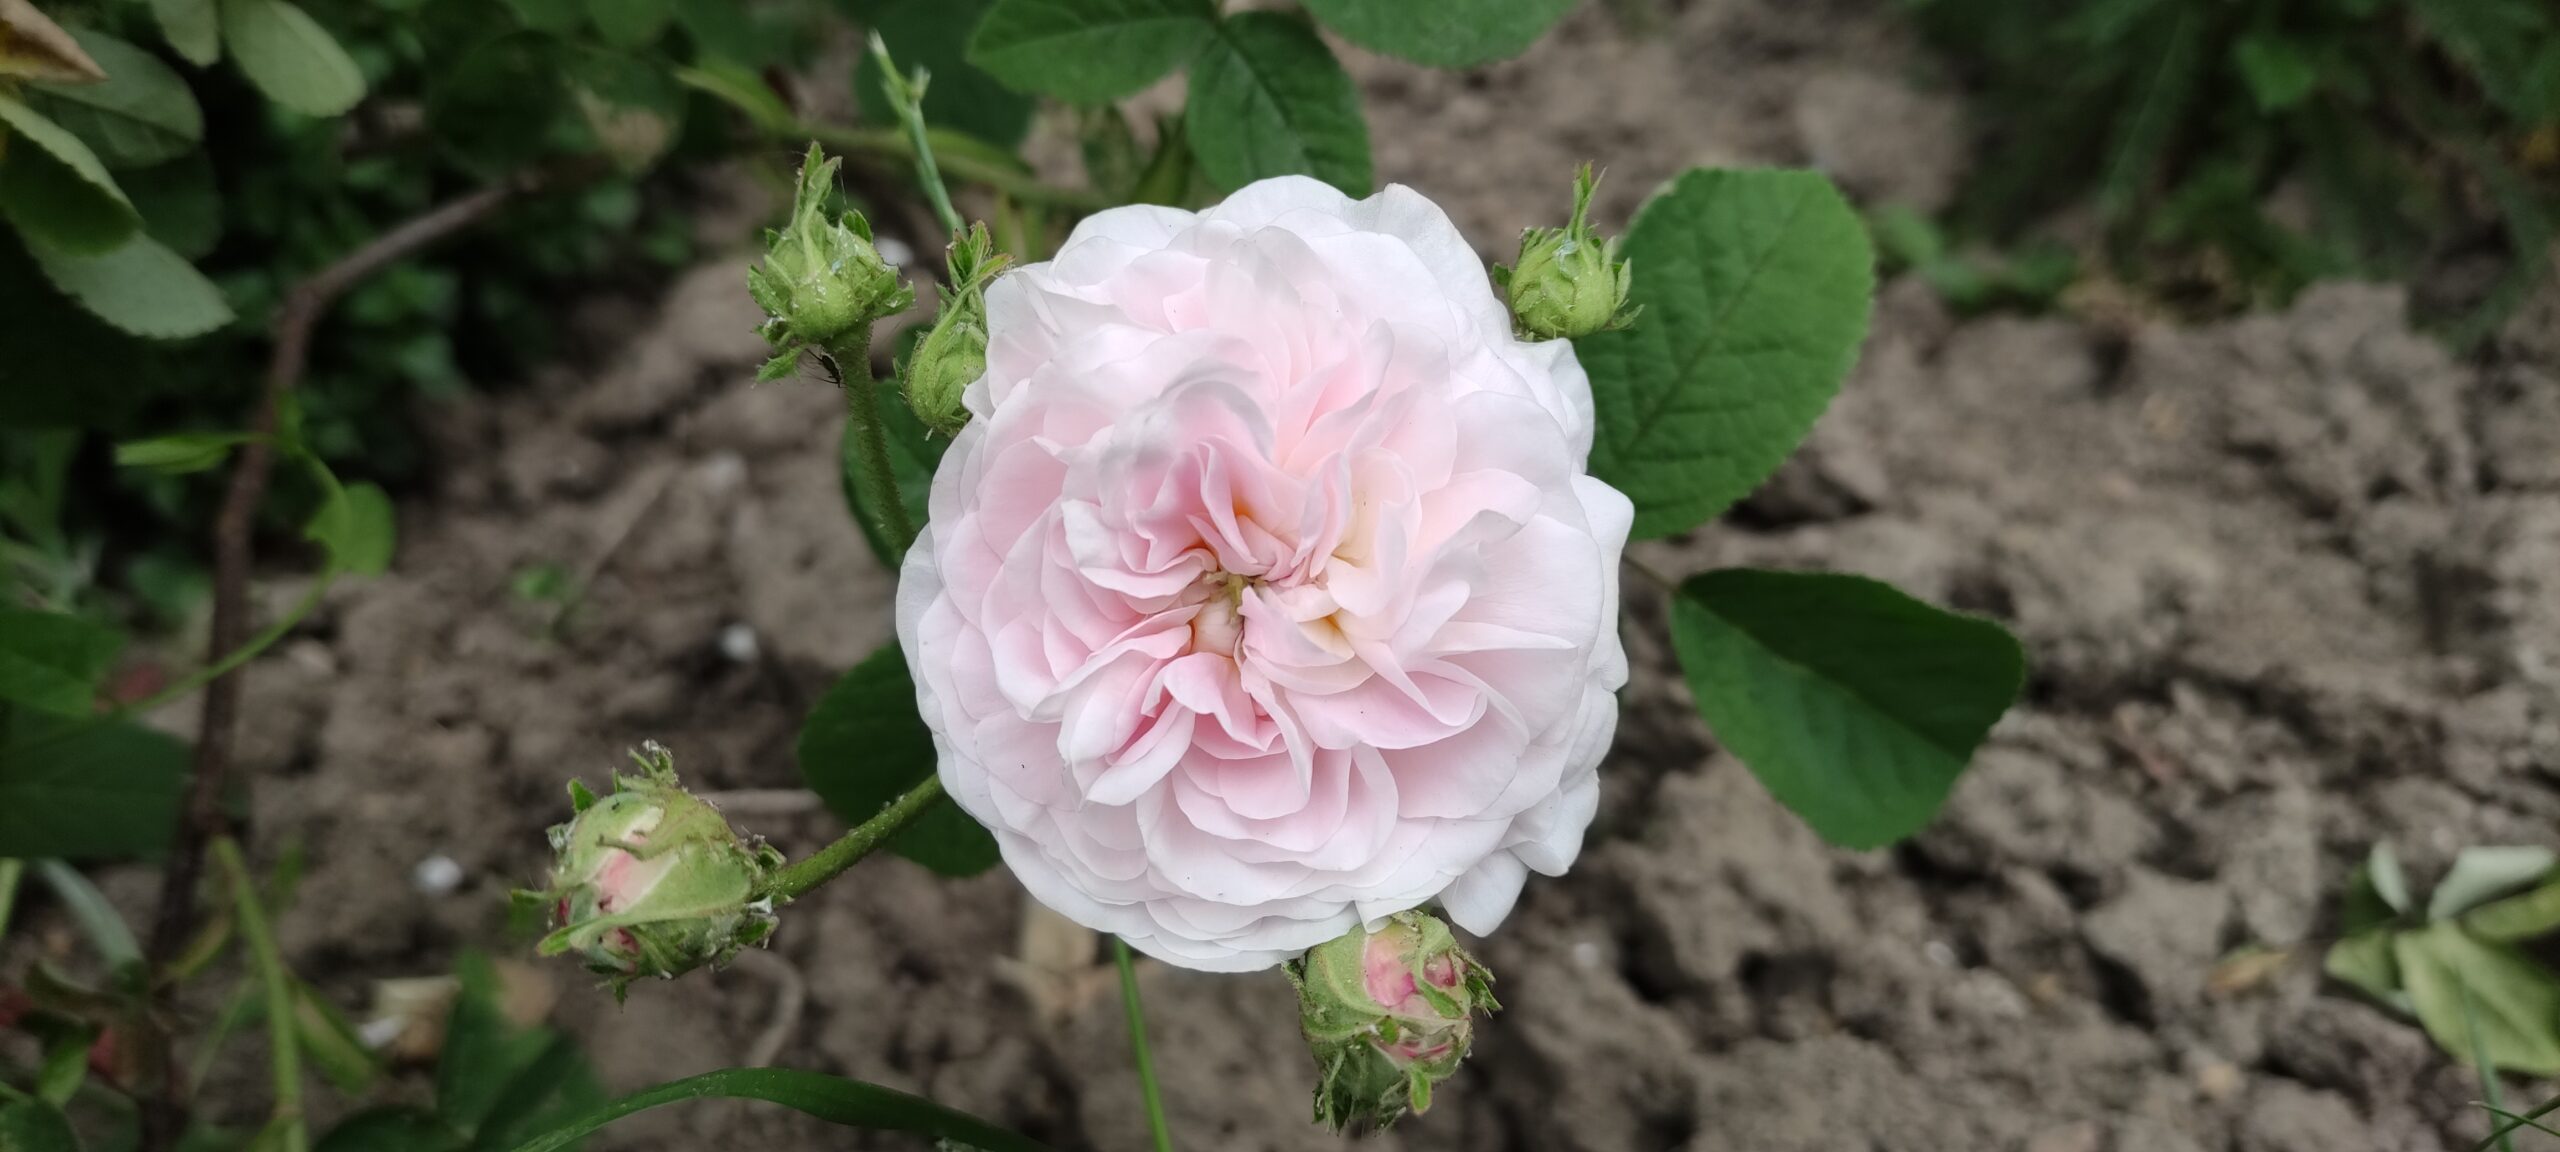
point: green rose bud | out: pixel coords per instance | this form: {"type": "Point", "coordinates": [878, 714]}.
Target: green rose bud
{"type": "Point", "coordinates": [651, 880]}
{"type": "Point", "coordinates": [822, 283]}
{"type": "Point", "coordinates": [1568, 282]}
{"type": "Point", "coordinates": [954, 354]}
{"type": "Point", "coordinates": [1389, 1015]}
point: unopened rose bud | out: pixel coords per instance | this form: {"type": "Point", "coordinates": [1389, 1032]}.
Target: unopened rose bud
{"type": "Point", "coordinates": [822, 281]}
{"type": "Point", "coordinates": [1389, 1015]}
{"type": "Point", "coordinates": [954, 354]}
{"type": "Point", "coordinates": [652, 881]}
{"type": "Point", "coordinates": [1568, 282]}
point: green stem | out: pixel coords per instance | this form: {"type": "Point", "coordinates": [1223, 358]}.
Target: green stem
{"type": "Point", "coordinates": [849, 365]}
{"type": "Point", "coordinates": [964, 158]}
{"type": "Point", "coordinates": [283, 1045]}
{"type": "Point", "coordinates": [906, 96]}
{"type": "Point", "coordinates": [795, 880]}
{"type": "Point", "coordinates": [1138, 1046]}
{"type": "Point", "coordinates": [10, 872]}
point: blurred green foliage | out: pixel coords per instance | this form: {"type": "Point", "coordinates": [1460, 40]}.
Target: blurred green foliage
{"type": "Point", "coordinates": [231, 169]}
{"type": "Point", "coordinates": [2238, 149]}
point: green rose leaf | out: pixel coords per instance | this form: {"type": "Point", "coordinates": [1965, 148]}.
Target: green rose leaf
{"type": "Point", "coordinates": [55, 189]}
{"type": "Point", "coordinates": [179, 453]}
{"type": "Point", "coordinates": [1088, 51]}
{"type": "Point", "coordinates": [632, 107]}
{"type": "Point", "coordinates": [506, 104]}
{"type": "Point", "coordinates": [290, 57]}
{"type": "Point", "coordinates": [181, 205]}
{"type": "Point", "coordinates": [1268, 99]}
{"type": "Point", "coordinates": [934, 35]}
{"type": "Point", "coordinates": [54, 660]}
{"type": "Point", "coordinates": [358, 528]}
{"type": "Point", "coordinates": [1755, 286]}
{"type": "Point", "coordinates": [863, 746]}
{"type": "Point", "coordinates": [2456, 980]}
{"type": "Point", "coordinates": [631, 23]}
{"type": "Point", "coordinates": [85, 789]}
{"type": "Point", "coordinates": [192, 28]}
{"type": "Point", "coordinates": [1856, 705]}
{"type": "Point", "coordinates": [139, 286]}
{"type": "Point", "coordinates": [140, 115]}
{"type": "Point", "coordinates": [1442, 33]}
{"type": "Point", "coordinates": [31, 1124]}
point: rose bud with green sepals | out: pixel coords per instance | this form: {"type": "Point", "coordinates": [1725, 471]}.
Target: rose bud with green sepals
{"type": "Point", "coordinates": [1389, 1015]}
{"type": "Point", "coordinates": [651, 880]}
{"type": "Point", "coordinates": [822, 282]}
{"type": "Point", "coordinates": [1569, 282]}
{"type": "Point", "coordinates": [954, 354]}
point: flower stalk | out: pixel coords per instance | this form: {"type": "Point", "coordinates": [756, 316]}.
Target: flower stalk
{"type": "Point", "coordinates": [795, 880]}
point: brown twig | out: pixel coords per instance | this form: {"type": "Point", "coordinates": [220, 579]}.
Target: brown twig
{"type": "Point", "coordinates": [202, 819]}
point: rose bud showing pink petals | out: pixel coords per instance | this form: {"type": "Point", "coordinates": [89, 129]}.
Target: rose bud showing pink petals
{"type": "Point", "coordinates": [1264, 594]}
{"type": "Point", "coordinates": [651, 880]}
{"type": "Point", "coordinates": [1389, 1015]}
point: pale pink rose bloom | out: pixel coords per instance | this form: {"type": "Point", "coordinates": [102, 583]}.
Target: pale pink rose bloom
{"type": "Point", "coordinates": [1265, 594]}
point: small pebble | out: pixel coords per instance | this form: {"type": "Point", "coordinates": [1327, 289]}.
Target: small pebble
{"type": "Point", "coordinates": [1586, 955]}
{"type": "Point", "coordinates": [893, 251]}
{"type": "Point", "coordinates": [437, 875]}
{"type": "Point", "coordinates": [1939, 953]}
{"type": "Point", "coordinates": [738, 643]}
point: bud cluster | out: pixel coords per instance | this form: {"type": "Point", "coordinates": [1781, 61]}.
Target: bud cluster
{"type": "Point", "coordinates": [954, 354]}
{"type": "Point", "coordinates": [1568, 282]}
{"type": "Point", "coordinates": [822, 282]}
{"type": "Point", "coordinates": [650, 880]}
{"type": "Point", "coordinates": [1389, 1015]}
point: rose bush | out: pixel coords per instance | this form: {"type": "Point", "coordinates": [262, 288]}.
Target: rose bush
{"type": "Point", "coordinates": [1265, 595]}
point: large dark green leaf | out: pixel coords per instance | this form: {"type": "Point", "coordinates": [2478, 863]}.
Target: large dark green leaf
{"type": "Point", "coordinates": [1442, 33]}
{"type": "Point", "coordinates": [32, 1125]}
{"type": "Point", "coordinates": [85, 789]}
{"type": "Point", "coordinates": [835, 1100]}
{"type": "Point", "coordinates": [1268, 99]}
{"type": "Point", "coordinates": [290, 57]}
{"type": "Point", "coordinates": [54, 660]}
{"type": "Point", "coordinates": [391, 1128]}
{"type": "Point", "coordinates": [1088, 51]}
{"type": "Point", "coordinates": [934, 35]}
{"type": "Point", "coordinates": [864, 746]}
{"type": "Point", "coordinates": [180, 204]}
{"type": "Point", "coordinates": [1857, 706]}
{"type": "Point", "coordinates": [503, 105]}
{"type": "Point", "coordinates": [141, 114]}
{"type": "Point", "coordinates": [55, 189]}
{"type": "Point", "coordinates": [1755, 286]}
{"type": "Point", "coordinates": [498, 1083]}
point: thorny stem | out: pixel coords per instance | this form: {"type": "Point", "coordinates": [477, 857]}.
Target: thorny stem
{"type": "Point", "coordinates": [797, 879]}
{"type": "Point", "coordinates": [1147, 1087]}
{"type": "Point", "coordinates": [849, 365]}
{"type": "Point", "coordinates": [283, 1045]}
{"type": "Point", "coordinates": [202, 819]}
